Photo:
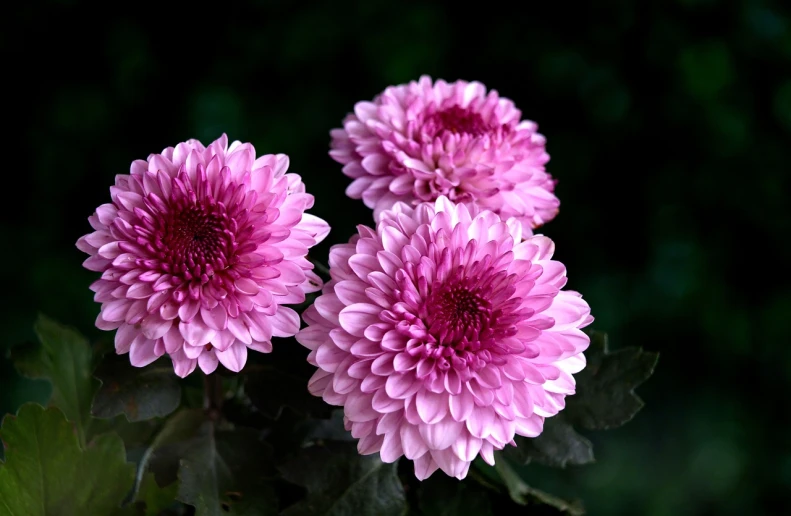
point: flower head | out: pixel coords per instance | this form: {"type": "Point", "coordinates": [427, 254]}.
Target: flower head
{"type": "Point", "coordinates": [418, 141]}
{"type": "Point", "coordinates": [198, 250]}
{"type": "Point", "coordinates": [443, 335]}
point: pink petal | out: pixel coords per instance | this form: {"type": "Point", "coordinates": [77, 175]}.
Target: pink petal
{"type": "Point", "coordinates": [359, 408]}
{"type": "Point", "coordinates": [461, 405]}
{"type": "Point", "coordinates": [261, 347]}
{"type": "Point", "coordinates": [530, 426]}
{"type": "Point", "coordinates": [480, 422]}
{"type": "Point", "coordinates": [141, 352]}
{"type": "Point", "coordinates": [238, 329]}
{"type": "Point", "coordinates": [183, 366]}
{"type": "Point", "coordinates": [154, 327]}
{"type": "Point", "coordinates": [357, 317]}
{"type": "Point", "coordinates": [391, 448]}
{"type": "Point", "coordinates": [115, 310]}
{"type": "Point", "coordinates": [487, 453]}
{"type": "Point", "coordinates": [234, 357]}
{"type": "Point", "coordinates": [285, 322]}
{"type": "Point", "coordinates": [216, 318]}
{"type": "Point", "coordinates": [441, 435]}
{"type": "Point", "coordinates": [173, 339]}
{"type": "Point", "coordinates": [123, 338]}
{"type": "Point", "coordinates": [425, 466]}
{"type": "Point", "coordinates": [401, 386]}
{"type": "Point", "coordinates": [246, 286]}
{"type": "Point", "coordinates": [431, 407]}
{"type": "Point", "coordinates": [412, 441]}
{"type": "Point", "coordinates": [384, 404]}
{"type": "Point", "coordinates": [208, 362]}
{"type": "Point", "coordinates": [466, 447]}
{"type": "Point", "coordinates": [450, 463]}
{"type": "Point", "coordinates": [405, 362]}
{"type": "Point", "coordinates": [188, 310]}
{"type": "Point", "coordinates": [196, 333]}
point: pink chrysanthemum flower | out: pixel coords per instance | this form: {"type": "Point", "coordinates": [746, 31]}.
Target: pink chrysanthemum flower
{"type": "Point", "coordinates": [420, 140]}
{"type": "Point", "coordinates": [198, 251]}
{"type": "Point", "coordinates": [443, 335]}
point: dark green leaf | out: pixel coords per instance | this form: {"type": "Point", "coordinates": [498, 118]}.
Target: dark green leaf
{"type": "Point", "coordinates": [441, 495]}
{"type": "Point", "coordinates": [134, 435]}
{"type": "Point", "coordinates": [154, 499]}
{"type": "Point", "coordinates": [524, 494]}
{"type": "Point", "coordinates": [557, 446]}
{"type": "Point", "coordinates": [138, 393]}
{"type": "Point", "coordinates": [223, 472]}
{"type": "Point", "coordinates": [604, 399]}
{"type": "Point", "coordinates": [66, 360]}
{"type": "Point", "coordinates": [46, 472]}
{"type": "Point", "coordinates": [341, 482]}
{"type": "Point", "coordinates": [28, 361]}
{"type": "Point", "coordinates": [172, 443]}
{"type": "Point", "coordinates": [327, 429]}
{"type": "Point", "coordinates": [605, 395]}
{"type": "Point", "coordinates": [271, 390]}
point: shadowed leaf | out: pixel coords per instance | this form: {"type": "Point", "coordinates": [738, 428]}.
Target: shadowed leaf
{"type": "Point", "coordinates": [172, 443]}
{"type": "Point", "coordinates": [272, 390]}
{"type": "Point", "coordinates": [558, 446]}
{"type": "Point", "coordinates": [523, 494]}
{"type": "Point", "coordinates": [440, 495]}
{"type": "Point", "coordinates": [224, 472]}
{"type": "Point", "coordinates": [66, 360]}
{"type": "Point", "coordinates": [138, 393]}
{"type": "Point", "coordinates": [605, 395]}
{"type": "Point", "coordinates": [340, 481]}
{"type": "Point", "coordinates": [605, 399]}
{"type": "Point", "coordinates": [153, 499]}
{"type": "Point", "coordinates": [327, 429]}
{"type": "Point", "coordinates": [47, 473]}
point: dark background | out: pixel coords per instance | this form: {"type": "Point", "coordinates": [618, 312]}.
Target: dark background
{"type": "Point", "coordinates": [668, 127]}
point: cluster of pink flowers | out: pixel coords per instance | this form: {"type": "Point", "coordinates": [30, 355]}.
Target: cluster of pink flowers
{"type": "Point", "coordinates": [443, 332]}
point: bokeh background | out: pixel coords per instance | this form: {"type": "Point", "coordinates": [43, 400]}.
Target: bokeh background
{"type": "Point", "coordinates": [668, 124]}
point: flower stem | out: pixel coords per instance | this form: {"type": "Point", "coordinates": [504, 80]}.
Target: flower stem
{"type": "Point", "coordinates": [213, 395]}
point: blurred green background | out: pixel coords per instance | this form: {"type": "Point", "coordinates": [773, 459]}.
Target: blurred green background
{"type": "Point", "coordinates": [668, 124]}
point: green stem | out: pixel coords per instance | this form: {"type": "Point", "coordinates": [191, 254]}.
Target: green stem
{"type": "Point", "coordinates": [141, 470]}
{"type": "Point", "coordinates": [213, 395]}
{"type": "Point", "coordinates": [482, 480]}
{"type": "Point", "coordinates": [522, 493]}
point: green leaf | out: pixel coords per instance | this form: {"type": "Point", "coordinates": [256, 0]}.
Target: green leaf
{"type": "Point", "coordinates": [138, 393]}
{"type": "Point", "coordinates": [340, 481]}
{"type": "Point", "coordinates": [172, 443]}
{"type": "Point", "coordinates": [440, 495]}
{"type": "Point", "coordinates": [605, 399]}
{"type": "Point", "coordinates": [558, 446]}
{"type": "Point", "coordinates": [223, 472]}
{"type": "Point", "coordinates": [330, 429]}
{"type": "Point", "coordinates": [523, 494]}
{"type": "Point", "coordinates": [47, 473]}
{"type": "Point", "coordinates": [605, 395]}
{"type": "Point", "coordinates": [66, 360]}
{"type": "Point", "coordinates": [271, 390]}
{"type": "Point", "coordinates": [154, 499]}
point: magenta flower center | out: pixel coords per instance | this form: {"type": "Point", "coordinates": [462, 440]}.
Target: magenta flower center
{"type": "Point", "coordinates": [456, 312]}
{"type": "Point", "coordinates": [457, 120]}
{"type": "Point", "coordinates": [191, 236]}
{"type": "Point", "coordinates": [192, 240]}
{"type": "Point", "coordinates": [466, 321]}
